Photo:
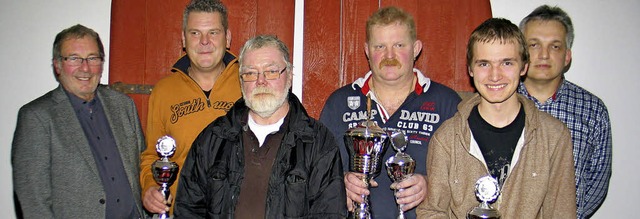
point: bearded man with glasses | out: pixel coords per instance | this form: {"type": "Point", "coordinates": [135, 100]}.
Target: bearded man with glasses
{"type": "Point", "coordinates": [266, 158]}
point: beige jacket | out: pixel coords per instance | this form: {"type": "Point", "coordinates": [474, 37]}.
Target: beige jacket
{"type": "Point", "coordinates": [541, 183]}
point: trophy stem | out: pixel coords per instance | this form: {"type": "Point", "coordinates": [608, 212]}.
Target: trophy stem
{"type": "Point", "coordinates": [164, 216]}
{"type": "Point", "coordinates": [401, 215]}
{"type": "Point", "coordinates": [400, 211]}
{"type": "Point", "coordinates": [164, 189]}
{"type": "Point", "coordinates": [362, 210]}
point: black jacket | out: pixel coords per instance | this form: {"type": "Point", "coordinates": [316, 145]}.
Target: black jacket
{"type": "Point", "coordinates": [306, 180]}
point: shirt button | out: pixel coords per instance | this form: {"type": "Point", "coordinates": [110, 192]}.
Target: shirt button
{"type": "Point", "coordinates": [102, 201]}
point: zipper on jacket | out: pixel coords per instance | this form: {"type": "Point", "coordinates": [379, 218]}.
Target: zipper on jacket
{"type": "Point", "coordinates": [198, 86]}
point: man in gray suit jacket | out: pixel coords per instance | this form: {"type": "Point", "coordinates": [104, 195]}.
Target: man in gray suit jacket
{"type": "Point", "coordinates": [75, 151]}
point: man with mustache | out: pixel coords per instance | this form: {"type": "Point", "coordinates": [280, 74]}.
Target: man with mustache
{"type": "Point", "coordinates": [403, 99]}
{"type": "Point", "coordinates": [266, 158]}
{"type": "Point", "coordinates": [203, 86]}
{"type": "Point", "coordinates": [549, 34]}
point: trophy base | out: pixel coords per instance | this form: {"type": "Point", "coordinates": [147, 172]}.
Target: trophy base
{"type": "Point", "coordinates": [362, 211]}
{"type": "Point", "coordinates": [481, 217]}
{"type": "Point", "coordinates": [161, 216]}
{"type": "Point", "coordinates": [358, 215]}
{"type": "Point", "coordinates": [483, 213]}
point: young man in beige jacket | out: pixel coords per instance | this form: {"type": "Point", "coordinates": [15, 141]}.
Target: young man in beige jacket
{"type": "Point", "coordinates": [501, 134]}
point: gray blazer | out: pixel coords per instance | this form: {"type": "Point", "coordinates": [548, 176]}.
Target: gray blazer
{"type": "Point", "coordinates": [54, 172]}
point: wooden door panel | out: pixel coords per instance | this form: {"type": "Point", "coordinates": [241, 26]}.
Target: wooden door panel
{"type": "Point", "coordinates": [322, 53]}
{"type": "Point", "coordinates": [260, 17]}
{"type": "Point", "coordinates": [127, 48]}
{"type": "Point", "coordinates": [146, 39]}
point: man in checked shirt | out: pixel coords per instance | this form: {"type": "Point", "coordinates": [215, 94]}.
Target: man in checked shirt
{"type": "Point", "coordinates": [549, 35]}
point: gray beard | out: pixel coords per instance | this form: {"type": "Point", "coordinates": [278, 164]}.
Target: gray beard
{"type": "Point", "coordinates": [268, 102]}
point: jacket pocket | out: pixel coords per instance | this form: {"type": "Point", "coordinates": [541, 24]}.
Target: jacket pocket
{"type": "Point", "coordinates": [296, 201]}
{"type": "Point", "coordinates": [217, 191]}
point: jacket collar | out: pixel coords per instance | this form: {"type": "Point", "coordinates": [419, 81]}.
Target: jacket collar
{"type": "Point", "coordinates": [422, 84]}
{"type": "Point", "coordinates": [183, 63]}
{"type": "Point", "coordinates": [60, 94]}
{"type": "Point", "coordinates": [231, 125]}
{"type": "Point", "coordinates": [468, 141]}
{"type": "Point", "coordinates": [465, 107]}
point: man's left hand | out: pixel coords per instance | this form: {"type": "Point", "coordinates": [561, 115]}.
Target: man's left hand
{"type": "Point", "coordinates": [411, 191]}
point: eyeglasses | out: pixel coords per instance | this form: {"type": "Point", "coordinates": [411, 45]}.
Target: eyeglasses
{"type": "Point", "coordinates": [77, 61]}
{"type": "Point", "coordinates": [268, 75]}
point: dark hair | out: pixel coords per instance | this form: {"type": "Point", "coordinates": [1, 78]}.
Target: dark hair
{"type": "Point", "coordinates": [500, 30]}
{"type": "Point", "coordinates": [548, 13]}
{"type": "Point", "coordinates": [76, 32]}
{"type": "Point", "coordinates": [209, 6]}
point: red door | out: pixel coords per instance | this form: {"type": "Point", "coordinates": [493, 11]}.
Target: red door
{"type": "Point", "coordinates": [146, 40]}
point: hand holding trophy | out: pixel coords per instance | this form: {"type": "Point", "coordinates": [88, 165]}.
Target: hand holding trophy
{"type": "Point", "coordinates": [165, 171]}
{"type": "Point", "coordinates": [487, 190]}
{"type": "Point", "coordinates": [400, 166]}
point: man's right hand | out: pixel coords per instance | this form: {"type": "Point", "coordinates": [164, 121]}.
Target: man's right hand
{"type": "Point", "coordinates": [154, 202]}
{"type": "Point", "coordinates": [356, 188]}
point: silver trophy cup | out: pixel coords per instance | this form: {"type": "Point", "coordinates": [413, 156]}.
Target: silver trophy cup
{"type": "Point", "coordinates": [366, 144]}
{"type": "Point", "coordinates": [400, 166]}
{"type": "Point", "coordinates": [165, 171]}
{"type": "Point", "coordinates": [487, 190]}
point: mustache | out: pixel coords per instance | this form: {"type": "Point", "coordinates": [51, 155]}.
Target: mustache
{"type": "Point", "coordinates": [262, 90]}
{"type": "Point", "coordinates": [390, 62]}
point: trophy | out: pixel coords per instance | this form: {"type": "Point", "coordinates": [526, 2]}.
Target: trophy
{"type": "Point", "coordinates": [165, 171]}
{"type": "Point", "coordinates": [366, 144]}
{"type": "Point", "coordinates": [400, 166]}
{"type": "Point", "coordinates": [487, 190]}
